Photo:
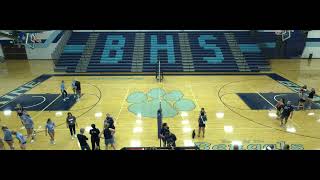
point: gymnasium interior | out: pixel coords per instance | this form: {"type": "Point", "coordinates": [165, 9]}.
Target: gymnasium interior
{"type": "Point", "coordinates": [237, 76]}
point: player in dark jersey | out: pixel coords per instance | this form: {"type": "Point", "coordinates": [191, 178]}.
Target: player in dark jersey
{"type": "Point", "coordinates": [95, 137]}
{"type": "Point", "coordinates": [163, 132]}
{"type": "Point", "coordinates": [78, 89]}
{"type": "Point", "coordinates": [71, 124]}
{"type": "Point", "coordinates": [202, 122]}
{"type": "Point", "coordinates": [109, 119]}
{"type": "Point", "coordinates": [171, 139]}
{"type": "Point", "coordinates": [108, 133]}
{"type": "Point", "coordinates": [280, 104]}
{"type": "Point", "coordinates": [287, 111]}
{"type": "Point", "coordinates": [310, 97]}
{"type": "Point", "coordinates": [83, 140]}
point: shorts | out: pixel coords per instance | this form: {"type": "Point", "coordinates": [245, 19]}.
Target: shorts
{"type": "Point", "coordinates": [25, 142]}
{"type": "Point", "coordinates": [28, 126]}
{"type": "Point", "coordinates": [302, 100]}
{"type": "Point", "coordinates": [285, 117]}
{"type": "Point", "coordinates": [109, 141]}
{"type": "Point", "coordinates": [202, 125]}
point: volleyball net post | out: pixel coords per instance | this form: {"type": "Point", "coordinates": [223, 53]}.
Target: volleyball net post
{"type": "Point", "coordinates": [159, 73]}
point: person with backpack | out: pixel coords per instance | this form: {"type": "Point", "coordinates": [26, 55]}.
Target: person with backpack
{"type": "Point", "coordinates": [202, 122]}
{"type": "Point", "coordinates": [95, 137]}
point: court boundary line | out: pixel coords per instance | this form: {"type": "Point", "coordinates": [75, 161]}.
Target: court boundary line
{"type": "Point", "coordinates": [253, 121]}
{"type": "Point", "coordinates": [121, 107]}
{"type": "Point", "coordinates": [11, 100]}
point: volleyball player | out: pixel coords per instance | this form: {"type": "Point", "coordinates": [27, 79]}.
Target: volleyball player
{"type": "Point", "coordinates": [108, 136]}
{"type": "Point", "coordinates": [202, 122]}
{"type": "Point", "coordinates": [279, 106]}
{"type": "Point", "coordinates": [171, 139]}
{"type": "Point", "coordinates": [50, 130]}
{"type": "Point", "coordinates": [74, 88]}
{"type": "Point", "coordinates": [29, 125]}
{"type": "Point", "coordinates": [310, 97]}
{"type": "Point", "coordinates": [63, 91]}
{"type": "Point", "coordinates": [109, 119]}
{"type": "Point", "coordinates": [287, 111]}
{"type": "Point", "coordinates": [78, 89]}
{"type": "Point", "coordinates": [22, 140]}
{"type": "Point", "coordinates": [95, 139]}
{"type": "Point", "coordinates": [83, 140]}
{"type": "Point", "coordinates": [163, 132]}
{"type": "Point", "coordinates": [20, 111]}
{"type": "Point", "coordinates": [71, 124]}
{"type": "Point", "coordinates": [302, 97]}
{"type": "Point", "coordinates": [8, 137]}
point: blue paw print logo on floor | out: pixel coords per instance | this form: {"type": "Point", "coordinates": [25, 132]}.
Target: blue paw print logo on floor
{"type": "Point", "coordinates": [147, 104]}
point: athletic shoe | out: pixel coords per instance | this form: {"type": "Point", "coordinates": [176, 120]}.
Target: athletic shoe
{"type": "Point", "coordinates": [67, 97]}
{"type": "Point", "coordinates": [31, 141]}
{"type": "Point", "coordinates": [64, 99]}
{"type": "Point", "coordinates": [72, 137]}
{"type": "Point", "coordinates": [75, 136]}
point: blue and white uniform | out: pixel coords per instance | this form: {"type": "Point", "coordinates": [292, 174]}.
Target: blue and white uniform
{"type": "Point", "coordinates": [62, 87]}
{"type": "Point", "coordinates": [7, 135]}
{"type": "Point", "coordinates": [21, 138]}
{"type": "Point", "coordinates": [50, 127]}
{"type": "Point", "coordinates": [27, 121]}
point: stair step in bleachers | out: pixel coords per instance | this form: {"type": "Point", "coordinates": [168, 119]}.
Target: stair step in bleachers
{"type": "Point", "coordinates": [211, 51]}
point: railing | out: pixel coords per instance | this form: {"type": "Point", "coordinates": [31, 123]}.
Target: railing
{"type": "Point", "coordinates": [59, 48]}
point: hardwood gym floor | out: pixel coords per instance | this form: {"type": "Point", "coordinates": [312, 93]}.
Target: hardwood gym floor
{"type": "Point", "coordinates": [230, 120]}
